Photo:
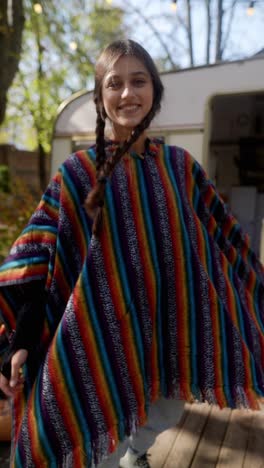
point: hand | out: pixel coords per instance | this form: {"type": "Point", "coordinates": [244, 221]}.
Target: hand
{"type": "Point", "coordinates": [10, 387]}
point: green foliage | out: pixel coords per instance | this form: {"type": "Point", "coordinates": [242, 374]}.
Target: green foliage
{"type": "Point", "coordinates": [50, 70]}
{"type": "Point", "coordinates": [4, 179]}
{"type": "Point", "coordinates": [105, 25]}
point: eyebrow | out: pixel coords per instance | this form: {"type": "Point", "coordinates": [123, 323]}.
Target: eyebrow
{"type": "Point", "coordinates": [136, 73]}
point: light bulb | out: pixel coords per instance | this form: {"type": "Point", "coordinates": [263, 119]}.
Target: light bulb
{"type": "Point", "coordinates": [37, 8]}
{"type": "Point", "coordinates": [250, 9]}
{"type": "Point", "coordinates": [174, 5]}
{"type": "Point", "coordinates": [73, 45]}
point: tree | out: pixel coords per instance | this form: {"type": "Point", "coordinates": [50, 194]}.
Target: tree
{"type": "Point", "coordinates": [60, 47]}
{"type": "Point", "coordinates": [11, 28]}
{"type": "Point", "coordinates": [50, 69]}
{"type": "Point", "coordinates": [199, 32]}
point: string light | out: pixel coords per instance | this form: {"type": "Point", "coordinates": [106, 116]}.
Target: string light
{"type": "Point", "coordinates": [73, 45]}
{"type": "Point", "coordinates": [174, 5]}
{"type": "Point", "coordinates": [250, 9]}
{"type": "Point", "coordinates": [37, 8]}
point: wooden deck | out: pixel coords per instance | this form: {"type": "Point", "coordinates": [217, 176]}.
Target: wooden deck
{"type": "Point", "coordinates": [207, 437]}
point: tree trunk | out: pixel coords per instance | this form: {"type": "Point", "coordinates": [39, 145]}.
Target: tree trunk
{"type": "Point", "coordinates": [11, 28]}
{"type": "Point", "coordinates": [228, 28]}
{"type": "Point", "coordinates": [189, 31]}
{"type": "Point", "coordinates": [39, 120]}
{"type": "Point", "coordinates": [218, 51]}
{"type": "Point", "coordinates": [208, 32]}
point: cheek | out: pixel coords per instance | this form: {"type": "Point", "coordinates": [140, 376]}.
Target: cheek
{"type": "Point", "coordinates": [149, 97]}
{"type": "Point", "coordinates": [109, 103]}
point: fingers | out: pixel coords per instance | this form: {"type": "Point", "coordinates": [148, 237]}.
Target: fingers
{"type": "Point", "coordinates": [17, 361]}
{"type": "Point", "coordinates": [10, 391]}
{"type": "Point", "coordinates": [4, 385]}
{"type": "Point", "coordinates": [10, 387]}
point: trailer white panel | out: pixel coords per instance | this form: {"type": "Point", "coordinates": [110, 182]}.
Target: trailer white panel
{"type": "Point", "coordinates": [216, 112]}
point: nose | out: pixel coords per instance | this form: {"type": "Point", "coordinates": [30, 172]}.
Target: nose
{"type": "Point", "coordinates": [128, 90]}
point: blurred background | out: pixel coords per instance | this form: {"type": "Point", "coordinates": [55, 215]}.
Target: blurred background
{"type": "Point", "coordinates": [47, 54]}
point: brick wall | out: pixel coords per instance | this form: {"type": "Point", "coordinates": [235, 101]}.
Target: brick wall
{"type": "Point", "coordinates": [22, 164]}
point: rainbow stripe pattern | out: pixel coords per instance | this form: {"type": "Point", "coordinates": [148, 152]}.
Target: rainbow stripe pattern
{"type": "Point", "coordinates": [169, 300]}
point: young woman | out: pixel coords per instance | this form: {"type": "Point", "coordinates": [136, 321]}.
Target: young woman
{"type": "Point", "coordinates": [131, 290]}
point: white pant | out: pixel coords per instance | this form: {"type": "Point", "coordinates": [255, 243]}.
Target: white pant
{"type": "Point", "coordinates": [162, 415]}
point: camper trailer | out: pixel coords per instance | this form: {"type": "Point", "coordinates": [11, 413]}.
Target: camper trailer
{"type": "Point", "coordinates": [216, 112]}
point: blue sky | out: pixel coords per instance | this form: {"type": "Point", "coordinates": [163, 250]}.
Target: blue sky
{"type": "Point", "coordinates": [246, 39]}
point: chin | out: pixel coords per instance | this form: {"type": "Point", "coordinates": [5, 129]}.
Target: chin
{"type": "Point", "coordinates": [129, 124]}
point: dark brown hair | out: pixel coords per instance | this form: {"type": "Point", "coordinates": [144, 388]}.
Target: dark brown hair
{"type": "Point", "coordinates": [104, 166]}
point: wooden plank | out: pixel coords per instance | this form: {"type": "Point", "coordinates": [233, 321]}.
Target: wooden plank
{"type": "Point", "coordinates": [159, 452]}
{"type": "Point", "coordinates": [234, 446]}
{"type": "Point", "coordinates": [212, 438]}
{"type": "Point", "coordinates": [255, 449]}
{"type": "Point", "coordinates": [187, 440]}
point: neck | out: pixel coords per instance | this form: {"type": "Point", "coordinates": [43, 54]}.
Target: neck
{"type": "Point", "coordinates": [138, 146]}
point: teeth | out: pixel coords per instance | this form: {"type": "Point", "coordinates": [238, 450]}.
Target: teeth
{"type": "Point", "coordinates": [134, 107]}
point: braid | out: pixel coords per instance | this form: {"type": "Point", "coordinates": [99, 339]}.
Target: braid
{"type": "Point", "coordinates": [104, 168]}
{"type": "Point", "coordinates": [95, 198]}
{"type": "Point", "coordinates": [100, 146]}
{"type": "Point", "coordinates": [106, 164]}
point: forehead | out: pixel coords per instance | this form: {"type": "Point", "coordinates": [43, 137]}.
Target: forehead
{"type": "Point", "coordinates": [126, 66]}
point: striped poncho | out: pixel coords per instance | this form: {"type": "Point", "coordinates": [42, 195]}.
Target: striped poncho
{"type": "Point", "coordinates": [168, 300]}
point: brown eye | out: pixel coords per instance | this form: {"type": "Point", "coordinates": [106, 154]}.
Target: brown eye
{"type": "Point", "coordinates": [140, 82]}
{"type": "Point", "coordinates": [113, 85]}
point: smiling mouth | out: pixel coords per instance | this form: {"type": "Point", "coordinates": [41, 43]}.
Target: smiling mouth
{"type": "Point", "coordinates": [130, 108]}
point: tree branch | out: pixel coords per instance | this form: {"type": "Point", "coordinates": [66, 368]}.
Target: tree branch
{"type": "Point", "coordinates": [155, 31]}
{"type": "Point", "coordinates": [229, 25]}
{"type": "Point", "coordinates": [218, 51]}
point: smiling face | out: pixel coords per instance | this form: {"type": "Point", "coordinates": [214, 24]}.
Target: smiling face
{"type": "Point", "coordinates": [127, 93]}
